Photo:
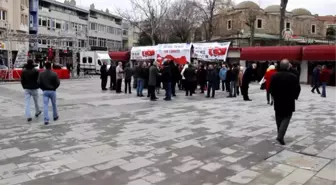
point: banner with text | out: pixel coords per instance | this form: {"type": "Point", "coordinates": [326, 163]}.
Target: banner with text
{"type": "Point", "coordinates": [211, 51]}
{"type": "Point", "coordinates": [179, 53]}
{"type": "Point", "coordinates": [143, 53]}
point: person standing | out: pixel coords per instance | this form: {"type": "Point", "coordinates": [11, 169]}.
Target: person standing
{"type": "Point", "coordinates": [190, 78]}
{"type": "Point", "coordinates": [176, 76]}
{"type": "Point", "coordinates": [112, 73]}
{"type": "Point", "coordinates": [233, 83]}
{"type": "Point", "coordinates": [285, 89]}
{"type": "Point", "coordinates": [29, 78]}
{"type": "Point", "coordinates": [128, 78]}
{"type": "Point", "coordinates": [247, 78]}
{"type": "Point", "coordinates": [222, 75]}
{"type": "Point", "coordinates": [316, 79]}
{"type": "Point", "coordinates": [120, 74]}
{"type": "Point", "coordinates": [103, 76]}
{"type": "Point", "coordinates": [324, 78]}
{"type": "Point", "coordinates": [140, 76]}
{"type": "Point", "coordinates": [153, 74]}
{"type": "Point", "coordinates": [49, 82]}
{"type": "Point", "coordinates": [167, 79]}
{"type": "Point", "coordinates": [212, 78]}
{"type": "Point", "coordinates": [240, 79]}
{"type": "Point", "coordinates": [268, 76]}
{"type": "Point", "coordinates": [202, 76]}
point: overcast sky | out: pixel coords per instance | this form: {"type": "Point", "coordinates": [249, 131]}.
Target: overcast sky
{"type": "Point", "coordinates": [321, 7]}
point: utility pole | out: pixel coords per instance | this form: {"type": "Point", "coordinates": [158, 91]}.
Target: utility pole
{"type": "Point", "coordinates": [9, 54]}
{"type": "Point", "coordinates": [74, 55]}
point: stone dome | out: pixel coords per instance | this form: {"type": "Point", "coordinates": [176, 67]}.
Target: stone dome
{"type": "Point", "coordinates": [272, 9]}
{"type": "Point", "coordinates": [247, 5]}
{"type": "Point", "coordinates": [301, 11]}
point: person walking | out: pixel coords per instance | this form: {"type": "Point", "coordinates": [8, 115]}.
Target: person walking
{"type": "Point", "coordinates": [248, 76]}
{"type": "Point", "coordinates": [120, 75]}
{"type": "Point", "coordinates": [153, 74]}
{"type": "Point", "coordinates": [103, 76]}
{"type": "Point", "coordinates": [166, 78]}
{"type": "Point", "coordinates": [285, 89]}
{"type": "Point", "coordinates": [316, 79]}
{"type": "Point", "coordinates": [49, 82]}
{"type": "Point", "coordinates": [222, 75]}
{"type": "Point", "coordinates": [128, 78]}
{"type": "Point", "coordinates": [212, 78]}
{"type": "Point", "coordinates": [190, 78]}
{"type": "Point", "coordinates": [112, 73]}
{"type": "Point", "coordinates": [268, 76]}
{"type": "Point", "coordinates": [29, 78]}
{"type": "Point", "coordinates": [324, 78]}
{"type": "Point", "coordinates": [140, 77]}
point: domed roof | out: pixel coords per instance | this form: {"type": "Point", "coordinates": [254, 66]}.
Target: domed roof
{"type": "Point", "coordinates": [247, 5]}
{"type": "Point", "coordinates": [301, 11]}
{"type": "Point", "coordinates": [272, 9]}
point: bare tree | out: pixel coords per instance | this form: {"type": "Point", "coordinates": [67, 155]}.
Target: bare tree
{"type": "Point", "coordinates": [209, 9]}
{"type": "Point", "coordinates": [283, 6]}
{"type": "Point", "coordinates": [183, 19]}
{"type": "Point", "coordinates": [251, 17]}
{"type": "Point", "coordinates": [147, 15]}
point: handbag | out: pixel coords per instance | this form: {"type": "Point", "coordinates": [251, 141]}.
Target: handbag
{"type": "Point", "coordinates": [262, 84]}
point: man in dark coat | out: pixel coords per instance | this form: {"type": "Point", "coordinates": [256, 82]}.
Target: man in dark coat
{"type": "Point", "coordinates": [153, 73]}
{"type": "Point", "coordinates": [128, 78]}
{"type": "Point", "coordinates": [202, 76]}
{"type": "Point", "coordinates": [212, 78]}
{"type": "Point", "coordinates": [140, 77]}
{"type": "Point", "coordinates": [316, 79]}
{"type": "Point", "coordinates": [285, 89]}
{"type": "Point", "coordinates": [247, 78]}
{"type": "Point", "coordinates": [112, 74]}
{"type": "Point", "coordinates": [167, 80]}
{"type": "Point", "coordinates": [233, 82]}
{"type": "Point", "coordinates": [176, 76]}
{"type": "Point", "coordinates": [190, 78]}
{"type": "Point", "coordinates": [103, 76]}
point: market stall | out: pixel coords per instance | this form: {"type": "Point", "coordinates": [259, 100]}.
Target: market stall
{"type": "Point", "coordinates": [180, 53]}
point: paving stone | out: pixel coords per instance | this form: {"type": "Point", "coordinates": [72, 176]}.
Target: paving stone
{"type": "Point", "coordinates": [188, 166]}
{"type": "Point", "coordinates": [300, 176]}
{"type": "Point", "coordinates": [285, 168]}
{"type": "Point", "coordinates": [111, 164]}
{"type": "Point", "coordinates": [211, 167]}
{"type": "Point", "coordinates": [139, 182]}
{"type": "Point", "coordinates": [328, 172]}
{"type": "Point", "coordinates": [317, 181]}
{"type": "Point", "coordinates": [244, 177]}
{"type": "Point", "coordinates": [228, 151]}
{"type": "Point", "coordinates": [136, 164]}
{"type": "Point", "coordinates": [154, 178]}
{"type": "Point", "coordinates": [15, 180]}
{"type": "Point", "coordinates": [287, 182]}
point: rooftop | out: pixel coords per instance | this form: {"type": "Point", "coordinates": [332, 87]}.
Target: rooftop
{"type": "Point", "coordinates": [81, 9]}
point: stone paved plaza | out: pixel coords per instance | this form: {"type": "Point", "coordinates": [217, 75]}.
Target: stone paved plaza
{"type": "Point", "coordinates": [107, 139]}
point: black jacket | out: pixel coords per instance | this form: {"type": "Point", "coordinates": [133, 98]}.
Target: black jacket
{"type": "Point", "coordinates": [176, 75]}
{"type": "Point", "coordinates": [285, 89]}
{"type": "Point", "coordinates": [212, 76]}
{"type": "Point", "coordinates": [202, 76]}
{"type": "Point", "coordinates": [139, 72]}
{"type": "Point", "coordinates": [166, 74]}
{"type": "Point", "coordinates": [247, 76]}
{"type": "Point", "coordinates": [112, 71]}
{"type": "Point", "coordinates": [190, 74]}
{"type": "Point", "coordinates": [228, 75]}
{"type": "Point", "coordinates": [29, 79]}
{"type": "Point", "coordinates": [48, 80]}
{"type": "Point", "coordinates": [128, 73]}
{"type": "Point", "coordinates": [235, 73]}
{"type": "Point", "coordinates": [104, 72]}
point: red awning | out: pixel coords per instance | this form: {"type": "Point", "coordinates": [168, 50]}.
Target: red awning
{"type": "Point", "coordinates": [119, 55]}
{"type": "Point", "coordinates": [271, 53]}
{"type": "Point", "coordinates": [319, 53]}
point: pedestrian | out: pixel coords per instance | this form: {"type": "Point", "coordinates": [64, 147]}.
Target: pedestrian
{"type": "Point", "coordinates": [222, 75]}
{"type": "Point", "coordinates": [128, 78]}
{"type": "Point", "coordinates": [240, 79]}
{"type": "Point", "coordinates": [190, 78]}
{"type": "Point", "coordinates": [78, 69]}
{"type": "Point", "coordinates": [212, 78]}
{"type": "Point", "coordinates": [324, 78]}
{"type": "Point", "coordinates": [228, 79]}
{"type": "Point", "coordinates": [285, 89]}
{"type": "Point", "coordinates": [233, 82]}
{"type": "Point", "coordinates": [29, 78]}
{"type": "Point", "coordinates": [112, 73]}
{"type": "Point", "coordinates": [182, 74]}
{"type": "Point", "coordinates": [140, 76]}
{"type": "Point", "coordinates": [49, 82]}
{"type": "Point", "coordinates": [153, 73]}
{"type": "Point", "coordinates": [103, 76]}
{"type": "Point", "coordinates": [268, 76]}
{"type": "Point", "coordinates": [166, 78]}
{"type": "Point", "coordinates": [248, 76]}
{"type": "Point", "coordinates": [119, 77]}
{"type": "Point", "coordinates": [202, 76]}
{"type": "Point", "coordinates": [316, 79]}
{"type": "Point", "coordinates": [176, 76]}
{"type": "Point", "coordinates": [158, 80]}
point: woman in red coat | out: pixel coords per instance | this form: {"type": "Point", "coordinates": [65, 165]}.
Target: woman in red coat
{"type": "Point", "coordinates": [268, 76]}
{"type": "Point", "coordinates": [324, 78]}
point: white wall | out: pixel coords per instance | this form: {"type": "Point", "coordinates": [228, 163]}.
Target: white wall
{"type": "Point", "coordinates": [304, 72]}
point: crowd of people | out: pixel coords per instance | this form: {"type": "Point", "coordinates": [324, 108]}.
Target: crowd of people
{"type": "Point", "coordinates": [233, 79]}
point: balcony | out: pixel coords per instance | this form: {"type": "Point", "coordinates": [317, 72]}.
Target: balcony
{"type": "Point", "coordinates": [3, 24]}
{"type": "Point", "coordinates": [23, 28]}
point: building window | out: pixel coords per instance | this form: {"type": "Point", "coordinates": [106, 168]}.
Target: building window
{"type": "Point", "coordinates": [259, 23]}
{"type": "Point", "coordinates": [90, 60]}
{"type": "Point", "coordinates": [26, 20]}
{"type": "Point", "coordinates": [229, 24]}
{"type": "Point", "coordinates": [313, 29]}
{"type": "Point", "coordinates": [40, 21]}
{"type": "Point", "coordinates": [48, 22]}
{"type": "Point", "coordinates": [288, 25]}
{"type": "Point", "coordinates": [3, 14]}
{"type": "Point", "coordinates": [93, 26]}
{"type": "Point", "coordinates": [31, 20]}
{"type": "Point", "coordinates": [58, 24]}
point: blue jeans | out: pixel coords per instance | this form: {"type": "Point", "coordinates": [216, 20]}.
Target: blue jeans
{"type": "Point", "coordinates": [324, 93]}
{"type": "Point", "coordinates": [52, 96]}
{"type": "Point", "coordinates": [233, 88]}
{"type": "Point", "coordinates": [140, 86]}
{"type": "Point", "coordinates": [167, 86]}
{"type": "Point", "coordinates": [28, 94]}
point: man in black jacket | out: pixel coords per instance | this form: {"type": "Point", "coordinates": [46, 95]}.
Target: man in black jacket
{"type": "Point", "coordinates": [190, 78]}
{"type": "Point", "coordinates": [112, 74]}
{"type": "Point", "coordinates": [49, 82]}
{"type": "Point", "coordinates": [176, 76]}
{"type": "Point", "coordinates": [167, 80]}
{"type": "Point", "coordinates": [201, 77]}
{"type": "Point", "coordinates": [29, 83]}
{"type": "Point", "coordinates": [248, 76]}
{"type": "Point", "coordinates": [103, 76]}
{"type": "Point", "coordinates": [285, 89]}
{"type": "Point", "coordinates": [212, 81]}
{"type": "Point", "coordinates": [128, 78]}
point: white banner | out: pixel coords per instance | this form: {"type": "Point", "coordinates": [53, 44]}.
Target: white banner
{"type": "Point", "coordinates": [143, 53]}
{"type": "Point", "coordinates": [211, 51]}
{"type": "Point", "coordinates": [179, 53]}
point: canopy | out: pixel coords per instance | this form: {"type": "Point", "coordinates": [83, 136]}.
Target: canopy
{"type": "Point", "coordinates": [319, 53]}
{"type": "Point", "coordinates": [143, 53]}
{"type": "Point", "coordinates": [179, 53]}
{"type": "Point", "coordinates": [119, 55]}
{"type": "Point", "coordinates": [271, 53]}
{"type": "Point", "coordinates": [211, 51]}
